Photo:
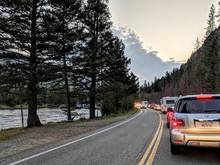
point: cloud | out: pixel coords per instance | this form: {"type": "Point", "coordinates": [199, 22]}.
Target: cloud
{"type": "Point", "coordinates": [145, 62]}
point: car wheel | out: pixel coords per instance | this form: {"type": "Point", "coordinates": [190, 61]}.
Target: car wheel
{"type": "Point", "coordinates": [175, 150]}
{"type": "Point", "coordinates": [168, 125]}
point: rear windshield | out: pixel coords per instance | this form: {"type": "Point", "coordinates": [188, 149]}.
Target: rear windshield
{"type": "Point", "coordinates": [199, 106]}
{"type": "Point", "coordinates": [170, 102]}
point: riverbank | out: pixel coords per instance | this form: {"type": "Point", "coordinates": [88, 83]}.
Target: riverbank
{"type": "Point", "coordinates": [16, 107]}
{"type": "Point", "coordinates": [12, 118]}
{"type": "Point", "coordinates": [17, 140]}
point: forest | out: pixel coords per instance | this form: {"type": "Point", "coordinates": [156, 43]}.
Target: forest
{"type": "Point", "coordinates": [199, 75]}
{"type": "Point", "coordinates": [56, 52]}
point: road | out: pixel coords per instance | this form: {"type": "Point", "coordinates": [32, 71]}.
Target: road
{"type": "Point", "coordinates": [141, 139]}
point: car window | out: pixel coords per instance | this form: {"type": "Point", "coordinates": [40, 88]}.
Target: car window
{"type": "Point", "coordinates": [176, 106]}
{"type": "Point", "coordinates": [170, 101]}
{"type": "Point", "coordinates": [199, 106]}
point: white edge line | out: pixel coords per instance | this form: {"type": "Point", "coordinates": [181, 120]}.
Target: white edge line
{"type": "Point", "coordinates": [75, 141]}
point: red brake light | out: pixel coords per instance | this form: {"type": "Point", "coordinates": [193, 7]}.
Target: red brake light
{"type": "Point", "coordinates": [170, 115]}
{"type": "Point", "coordinates": [176, 123]}
{"type": "Point", "coordinates": [204, 97]}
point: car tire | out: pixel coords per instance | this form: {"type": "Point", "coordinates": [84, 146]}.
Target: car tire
{"type": "Point", "coordinates": [168, 125]}
{"type": "Point", "coordinates": [175, 150]}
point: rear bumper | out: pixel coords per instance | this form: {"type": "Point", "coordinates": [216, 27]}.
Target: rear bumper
{"type": "Point", "coordinates": [196, 140]}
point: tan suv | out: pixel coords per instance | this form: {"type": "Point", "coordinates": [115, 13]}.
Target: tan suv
{"type": "Point", "coordinates": [195, 122]}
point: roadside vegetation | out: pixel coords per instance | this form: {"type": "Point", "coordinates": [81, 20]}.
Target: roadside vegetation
{"type": "Point", "coordinates": [199, 75]}
{"type": "Point", "coordinates": [118, 114]}
{"type": "Point", "coordinates": [56, 52]}
{"type": "Point", "coordinates": [6, 134]}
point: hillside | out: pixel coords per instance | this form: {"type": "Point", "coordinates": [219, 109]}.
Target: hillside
{"type": "Point", "coordinates": [201, 73]}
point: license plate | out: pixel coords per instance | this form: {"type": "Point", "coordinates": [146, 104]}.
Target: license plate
{"type": "Point", "coordinates": [207, 124]}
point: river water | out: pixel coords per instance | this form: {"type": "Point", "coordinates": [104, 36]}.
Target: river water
{"type": "Point", "coordinates": [12, 118]}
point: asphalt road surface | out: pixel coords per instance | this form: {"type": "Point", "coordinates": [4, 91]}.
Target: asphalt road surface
{"type": "Point", "coordinates": [141, 139]}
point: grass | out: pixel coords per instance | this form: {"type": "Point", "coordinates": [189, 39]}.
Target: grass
{"type": "Point", "coordinates": [6, 134]}
{"type": "Point", "coordinates": [110, 116]}
{"type": "Point", "coordinates": [2, 107]}
{"type": "Point", "coordinates": [119, 114]}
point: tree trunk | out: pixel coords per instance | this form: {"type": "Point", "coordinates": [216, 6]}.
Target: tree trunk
{"type": "Point", "coordinates": [21, 103]}
{"type": "Point", "coordinates": [94, 63]}
{"type": "Point", "coordinates": [69, 118]}
{"type": "Point", "coordinates": [93, 97]}
{"type": "Point", "coordinates": [33, 119]}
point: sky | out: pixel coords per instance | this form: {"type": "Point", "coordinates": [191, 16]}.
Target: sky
{"type": "Point", "coordinates": [167, 26]}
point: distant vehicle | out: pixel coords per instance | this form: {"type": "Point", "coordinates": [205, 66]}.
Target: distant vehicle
{"type": "Point", "coordinates": [150, 105]}
{"type": "Point", "coordinates": [144, 104]}
{"type": "Point", "coordinates": [195, 122]}
{"type": "Point", "coordinates": [154, 106]}
{"type": "Point", "coordinates": [167, 102]}
{"type": "Point", "coordinates": [137, 104]}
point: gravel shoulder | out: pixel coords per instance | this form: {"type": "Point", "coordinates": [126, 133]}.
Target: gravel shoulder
{"type": "Point", "coordinates": [32, 138]}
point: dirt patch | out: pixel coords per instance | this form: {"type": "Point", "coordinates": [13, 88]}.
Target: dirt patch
{"type": "Point", "coordinates": [52, 133]}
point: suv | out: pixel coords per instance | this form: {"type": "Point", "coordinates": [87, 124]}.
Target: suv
{"type": "Point", "coordinates": [195, 122]}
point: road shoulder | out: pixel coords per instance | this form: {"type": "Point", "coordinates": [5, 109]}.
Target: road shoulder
{"type": "Point", "coordinates": [34, 138]}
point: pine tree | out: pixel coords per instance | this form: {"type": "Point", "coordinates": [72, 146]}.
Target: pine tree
{"type": "Point", "coordinates": [209, 65]}
{"type": "Point", "coordinates": [121, 86]}
{"type": "Point", "coordinates": [96, 21]}
{"type": "Point", "coordinates": [63, 28]}
{"type": "Point", "coordinates": [211, 21]}
{"type": "Point", "coordinates": [218, 14]}
{"type": "Point", "coordinates": [198, 44]}
{"type": "Point", "coordinates": [21, 35]}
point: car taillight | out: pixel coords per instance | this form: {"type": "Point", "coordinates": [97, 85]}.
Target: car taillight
{"type": "Point", "coordinates": [201, 97]}
{"type": "Point", "coordinates": [176, 123]}
{"type": "Point", "coordinates": [170, 115]}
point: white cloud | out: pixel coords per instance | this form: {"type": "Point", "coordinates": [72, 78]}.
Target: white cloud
{"type": "Point", "coordinates": [145, 62]}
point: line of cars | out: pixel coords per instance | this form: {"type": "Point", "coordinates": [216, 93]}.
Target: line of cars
{"type": "Point", "coordinates": [193, 120]}
{"type": "Point", "coordinates": [146, 104]}
{"type": "Point", "coordinates": [167, 106]}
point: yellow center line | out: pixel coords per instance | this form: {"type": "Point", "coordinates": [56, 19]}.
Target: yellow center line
{"type": "Point", "coordinates": [142, 161]}
{"type": "Point", "coordinates": [153, 153]}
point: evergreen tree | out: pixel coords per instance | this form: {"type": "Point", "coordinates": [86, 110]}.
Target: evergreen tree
{"type": "Point", "coordinates": [198, 44]}
{"type": "Point", "coordinates": [211, 21]}
{"type": "Point", "coordinates": [96, 21]}
{"type": "Point", "coordinates": [55, 45]}
{"type": "Point", "coordinates": [63, 28]}
{"type": "Point", "coordinates": [209, 65]}
{"type": "Point", "coordinates": [120, 86]}
{"type": "Point", "coordinates": [218, 14]}
{"type": "Point", "coordinates": [22, 35]}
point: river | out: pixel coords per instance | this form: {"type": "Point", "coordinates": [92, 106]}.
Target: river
{"type": "Point", "coordinates": [12, 118]}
